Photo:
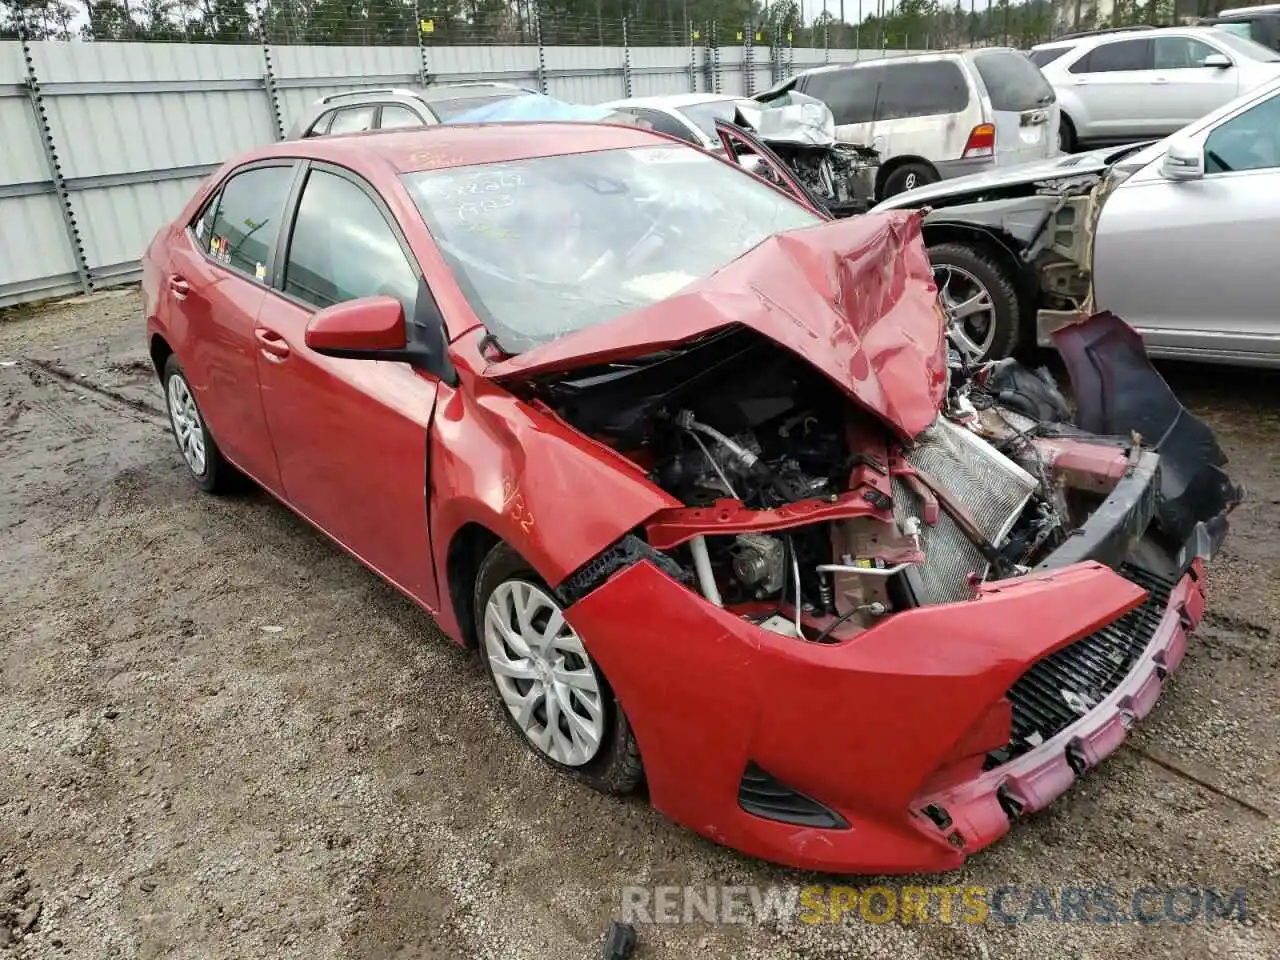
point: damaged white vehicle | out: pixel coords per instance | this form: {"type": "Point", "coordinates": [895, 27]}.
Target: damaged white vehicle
{"type": "Point", "coordinates": [1175, 236]}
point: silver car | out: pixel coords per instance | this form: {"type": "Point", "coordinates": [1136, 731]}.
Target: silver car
{"type": "Point", "coordinates": [1118, 87]}
{"type": "Point", "coordinates": [1177, 237]}
{"type": "Point", "coordinates": [384, 108]}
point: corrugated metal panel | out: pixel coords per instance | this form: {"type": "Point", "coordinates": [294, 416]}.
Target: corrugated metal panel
{"type": "Point", "coordinates": [37, 256]}
{"type": "Point", "coordinates": [513, 64]}
{"type": "Point", "coordinates": [117, 223]}
{"type": "Point", "coordinates": [598, 73]}
{"type": "Point", "coordinates": [21, 155]}
{"type": "Point", "coordinates": [660, 70]}
{"type": "Point", "coordinates": [129, 132]}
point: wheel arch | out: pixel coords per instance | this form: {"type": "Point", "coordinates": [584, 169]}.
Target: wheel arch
{"type": "Point", "coordinates": [1003, 248]}
{"type": "Point", "coordinates": [160, 351]}
{"type": "Point", "coordinates": [468, 547]}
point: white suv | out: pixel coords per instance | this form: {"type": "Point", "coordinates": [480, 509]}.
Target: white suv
{"type": "Point", "coordinates": [1118, 87]}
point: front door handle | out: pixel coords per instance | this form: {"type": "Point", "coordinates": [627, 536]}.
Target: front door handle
{"type": "Point", "coordinates": [179, 288]}
{"type": "Point", "coordinates": [1159, 79]}
{"type": "Point", "coordinates": [273, 346]}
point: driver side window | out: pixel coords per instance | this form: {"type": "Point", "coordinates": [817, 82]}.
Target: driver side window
{"type": "Point", "coordinates": [342, 247]}
{"type": "Point", "coordinates": [1248, 141]}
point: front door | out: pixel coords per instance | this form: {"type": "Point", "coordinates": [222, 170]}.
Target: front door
{"type": "Point", "coordinates": [216, 287]}
{"type": "Point", "coordinates": [1191, 264]}
{"type": "Point", "coordinates": [350, 435]}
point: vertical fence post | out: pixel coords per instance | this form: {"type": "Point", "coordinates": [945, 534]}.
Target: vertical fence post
{"type": "Point", "coordinates": [51, 159]}
{"type": "Point", "coordinates": [693, 56]}
{"type": "Point", "coordinates": [788, 69]}
{"type": "Point", "coordinates": [715, 57]}
{"type": "Point", "coordinates": [626, 60]}
{"type": "Point", "coordinates": [826, 42]}
{"type": "Point", "coordinates": [269, 78]}
{"type": "Point", "coordinates": [424, 68]}
{"type": "Point", "coordinates": [542, 53]}
{"type": "Point", "coordinates": [748, 61]}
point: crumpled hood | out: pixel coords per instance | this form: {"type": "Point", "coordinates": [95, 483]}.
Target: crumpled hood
{"type": "Point", "coordinates": [853, 297]}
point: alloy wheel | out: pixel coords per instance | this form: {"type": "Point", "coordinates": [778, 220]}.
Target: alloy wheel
{"type": "Point", "coordinates": [971, 312]}
{"type": "Point", "coordinates": [187, 426]}
{"type": "Point", "coordinates": [543, 673]}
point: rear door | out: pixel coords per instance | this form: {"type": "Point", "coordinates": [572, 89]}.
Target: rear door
{"type": "Point", "coordinates": [1191, 264]}
{"type": "Point", "coordinates": [1023, 107]}
{"type": "Point", "coordinates": [350, 435]}
{"type": "Point", "coordinates": [218, 282]}
{"type": "Point", "coordinates": [1113, 83]}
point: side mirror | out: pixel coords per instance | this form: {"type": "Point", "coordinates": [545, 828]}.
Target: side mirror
{"type": "Point", "coordinates": [368, 328]}
{"type": "Point", "coordinates": [1183, 161]}
{"type": "Point", "coordinates": [1219, 61]}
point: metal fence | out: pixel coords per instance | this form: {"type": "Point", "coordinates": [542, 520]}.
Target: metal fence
{"type": "Point", "coordinates": [103, 142]}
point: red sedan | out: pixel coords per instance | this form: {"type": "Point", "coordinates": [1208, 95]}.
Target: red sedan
{"type": "Point", "coordinates": [696, 473]}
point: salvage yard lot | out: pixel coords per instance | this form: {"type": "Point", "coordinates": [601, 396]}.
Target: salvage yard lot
{"type": "Point", "coordinates": [222, 737]}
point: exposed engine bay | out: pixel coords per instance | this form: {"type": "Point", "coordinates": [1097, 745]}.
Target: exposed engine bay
{"type": "Point", "coordinates": [830, 521]}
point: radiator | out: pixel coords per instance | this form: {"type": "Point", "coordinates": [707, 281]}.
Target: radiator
{"type": "Point", "coordinates": [992, 489]}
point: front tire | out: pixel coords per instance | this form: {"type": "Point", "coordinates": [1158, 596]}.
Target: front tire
{"type": "Point", "coordinates": [551, 692]}
{"type": "Point", "coordinates": [980, 298]}
{"type": "Point", "coordinates": [199, 451]}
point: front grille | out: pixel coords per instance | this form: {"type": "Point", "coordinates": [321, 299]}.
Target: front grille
{"type": "Point", "coordinates": [1064, 686]}
{"type": "Point", "coordinates": [763, 795]}
{"type": "Point", "coordinates": [993, 491]}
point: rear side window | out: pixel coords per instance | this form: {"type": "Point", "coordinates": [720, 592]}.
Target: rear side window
{"type": "Point", "coordinates": [1013, 82]}
{"type": "Point", "coordinates": [664, 123]}
{"type": "Point", "coordinates": [1112, 57]}
{"type": "Point", "coordinates": [353, 120]}
{"type": "Point", "coordinates": [448, 109]}
{"type": "Point", "coordinates": [342, 247]}
{"type": "Point", "coordinates": [891, 92]}
{"type": "Point", "coordinates": [395, 116]}
{"type": "Point", "coordinates": [244, 229]}
{"type": "Point", "coordinates": [1042, 58]}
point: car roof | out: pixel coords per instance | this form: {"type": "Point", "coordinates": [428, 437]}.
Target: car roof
{"type": "Point", "coordinates": [458, 145]}
{"type": "Point", "coordinates": [1133, 34]}
{"type": "Point", "coordinates": [671, 100]}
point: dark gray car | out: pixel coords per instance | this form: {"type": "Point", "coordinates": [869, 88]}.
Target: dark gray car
{"type": "Point", "coordinates": [391, 107]}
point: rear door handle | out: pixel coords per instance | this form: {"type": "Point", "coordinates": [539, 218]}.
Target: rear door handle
{"type": "Point", "coordinates": [272, 345]}
{"type": "Point", "coordinates": [1160, 80]}
{"type": "Point", "coordinates": [179, 288]}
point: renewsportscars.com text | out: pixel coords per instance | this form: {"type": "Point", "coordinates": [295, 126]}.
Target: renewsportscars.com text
{"type": "Point", "coordinates": [1008, 903]}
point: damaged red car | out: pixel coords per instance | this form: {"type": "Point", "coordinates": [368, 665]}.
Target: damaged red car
{"type": "Point", "coordinates": [698, 474]}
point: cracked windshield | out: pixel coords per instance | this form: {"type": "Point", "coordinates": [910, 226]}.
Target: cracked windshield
{"type": "Point", "coordinates": [547, 246]}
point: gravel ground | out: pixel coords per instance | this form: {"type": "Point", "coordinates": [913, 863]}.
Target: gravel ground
{"type": "Point", "coordinates": [221, 737]}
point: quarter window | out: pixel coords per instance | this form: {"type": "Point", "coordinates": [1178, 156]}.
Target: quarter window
{"type": "Point", "coordinates": [1042, 58]}
{"type": "Point", "coordinates": [243, 232]}
{"type": "Point", "coordinates": [396, 116]}
{"type": "Point", "coordinates": [1248, 141]}
{"type": "Point", "coordinates": [664, 123]}
{"type": "Point", "coordinates": [353, 120]}
{"type": "Point", "coordinates": [342, 247]}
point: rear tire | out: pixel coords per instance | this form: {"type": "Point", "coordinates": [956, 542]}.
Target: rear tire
{"type": "Point", "coordinates": [199, 450]}
{"type": "Point", "coordinates": [970, 278]}
{"type": "Point", "coordinates": [592, 739]}
{"type": "Point", "coordinates": [907, 177]}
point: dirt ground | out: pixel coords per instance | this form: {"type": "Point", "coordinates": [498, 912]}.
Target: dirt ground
{"type": "Point", "coordinates": [221, 737]}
